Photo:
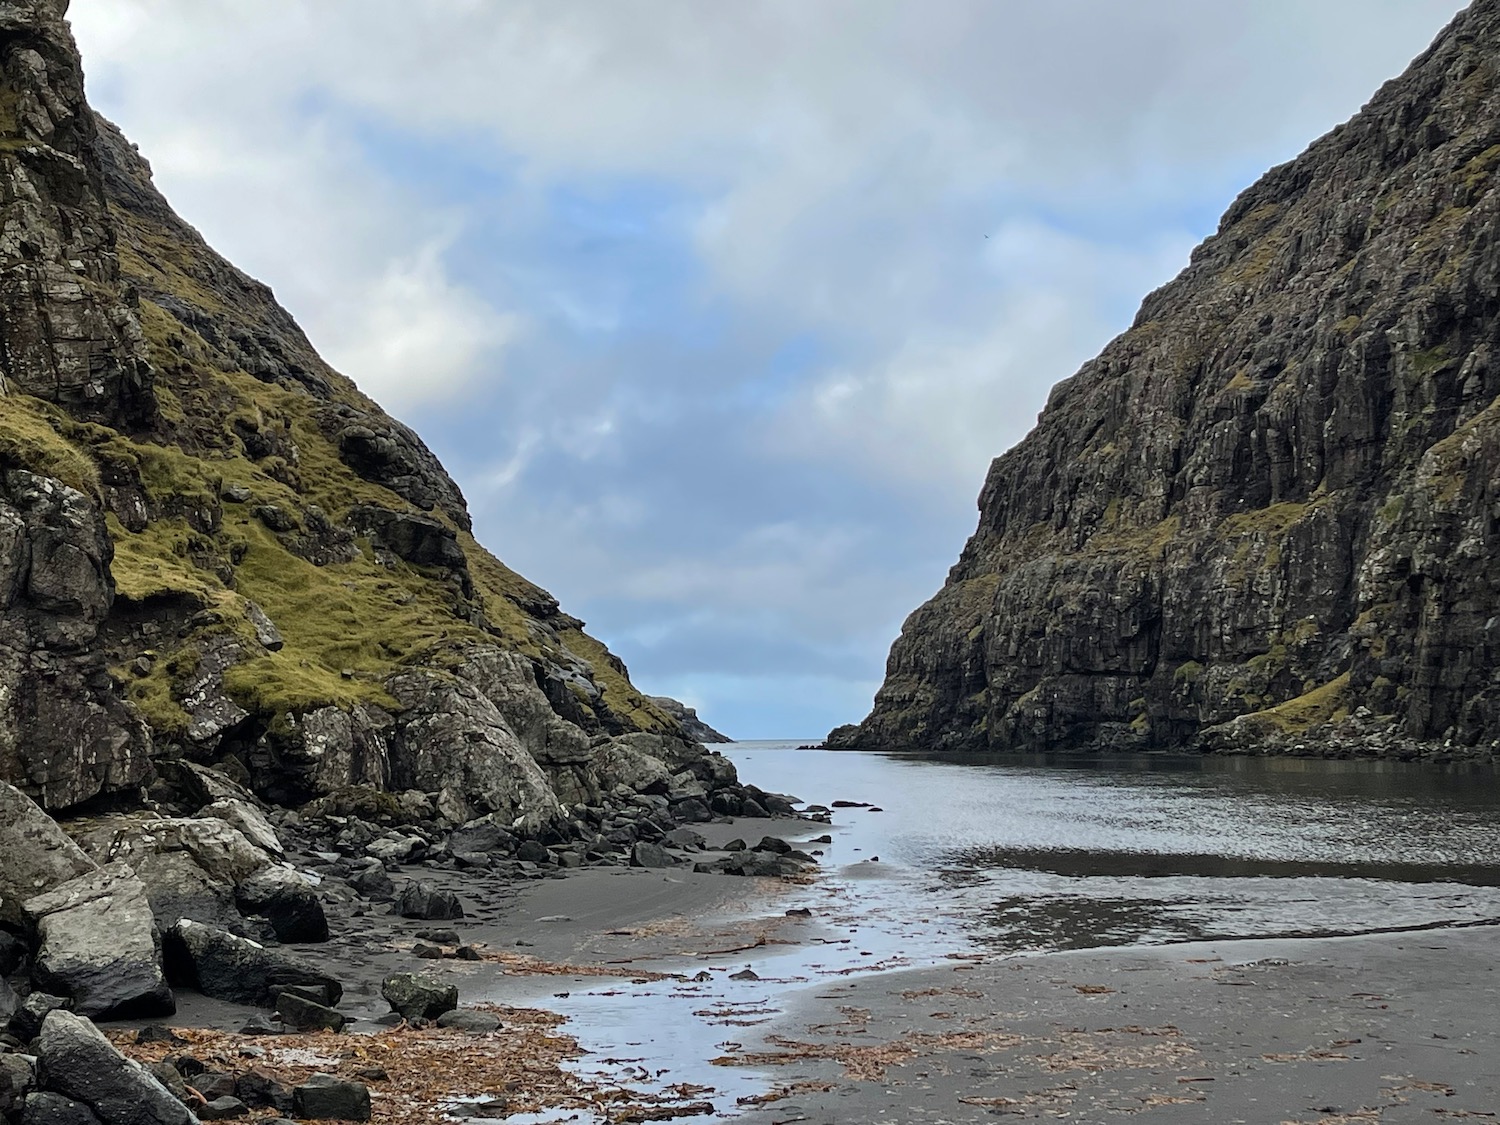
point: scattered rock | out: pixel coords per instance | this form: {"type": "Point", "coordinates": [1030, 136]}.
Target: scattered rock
{"type": "Point", "coordinates": [426, 901]}
{"type": "Point", "coordinates": [373, 882]}
{"type": "Point", "coordinates": [261, 1091]}
{"type": "Point", "coordinates": [227, 967]}
{"type": "Point", "coordinates": [650, 855]}
{"type": "Point", "coordinates": [427, 951]}
{"type": "Point", "coordinates": [745, 974]}
{"type": "Point", "coordinates": [773, 844]}
{"type": "Point", "coordinates": [325, 1097]}
{"type": "Point", "coordinates": [467, 1019]}
{"type": "Point", "coordinates": [98, 946]}
{"type": "Point", "coordinates": [81, 1064]}
{"type": "Point", "coordinates": [301, 1014]}
{"type": "Point", "coordinates": [222, 1109]}
{"type": "Point", "coordinates": [287, 901]}
{"type": "Point", "coordinates": [418, 997]}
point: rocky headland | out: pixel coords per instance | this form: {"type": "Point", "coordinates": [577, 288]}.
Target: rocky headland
{"type": "Point", "coordinates": [1264, 519]}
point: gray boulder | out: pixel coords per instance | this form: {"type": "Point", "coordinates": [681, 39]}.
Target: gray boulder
{"type": "Point", "coordinates": [17, 1079]}
{"type": "Point", "coordinates": [98, 945]}
{"type": "Point", "coordinates": [301, 1014]}
{"type": "Point", "coordinates": [419, 997]}
{"type": "Point", "coordinates": [248, 820]}
{"type": "Point", "coordinates": [46, 1108]}
{"type": "Point", "coordinates": [26, 1023]}
{"type": "Point", "coordinates": [425, 901]}
{"type": "Point", "coordinates": [373, 882]}
{"type": "Point", "coordinates": [227, 967]}
{"type": "Point", "coordinates": [220, 849]}
{"type": "Point", "coordinates": [287, 901]}
{"type": "Point", "coordinates": [644, 854]}
{"type": "Point", "coordinates": [77, 1062]}
{"type": "Point", "coordinates": [324, 1097]}
{"type": "Point", "coordinates": [38, 854]}
{"type": "Point", "coordinates": [467, 1019]}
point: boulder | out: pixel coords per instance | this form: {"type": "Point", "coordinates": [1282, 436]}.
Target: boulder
{"type": "Point", "coordinates": [46, 1108]}
{"type": "Point", "coordinates": [220, 849]}
{"type": "Point", "coordinates": [178, 888]}
{"type": "Point", "coordinates": [418, 997]}
{"type": "Point", "coordinates": [287, 901]}
{"type": "Point", "coordinates": [227, 967]}
{"type": "Point", "coordinates": [467, 1019]}
{"type": "Point", "coordinates": [26, 1023]}
{"type": "Point", "coordinates": [17, 1079]}
{"type": "Point", "coordinates": [79, 1063]}
{"type": "Point", "coordinates": [425, 901]}
{"type": "Point", "coordinates": [619, 764]}
{"type": "Point", "coordinates": [301, 1014]}
{"type": "Point", "coordinates": [222, 1109]}
{"type": "Point", "coordinates": [98, 945]}
{"type": "Point", "coordinates": [373, 882]}
{"type": "Point", "coordinates": [324, 1097]}
{"type": "Point", "coordinates": [38, 854]}
{"type": "Point", "coordinates": [9, 1001]}
{"type": "Point", "coordinates": [247, 819]}
{"type": "Point", "coordinates": [650, 855]}
{"type": "Point", "coordinates": [261, 1091]}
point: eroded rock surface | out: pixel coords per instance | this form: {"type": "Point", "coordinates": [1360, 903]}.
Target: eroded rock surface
{"type": "Point", "coordinates": [1265, 518]}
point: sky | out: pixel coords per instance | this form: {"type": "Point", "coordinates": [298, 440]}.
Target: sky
{"type": "Point", "coordinates": [718, 312]}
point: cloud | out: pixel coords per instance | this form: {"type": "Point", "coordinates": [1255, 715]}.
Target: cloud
{"type": "Point", "coordinates": [719, 311]}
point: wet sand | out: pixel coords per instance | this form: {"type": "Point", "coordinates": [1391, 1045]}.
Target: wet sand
{"type": "Point", "coordinates": [1390, 1028]}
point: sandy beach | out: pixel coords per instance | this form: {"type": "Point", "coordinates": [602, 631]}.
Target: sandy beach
{"type": "Point", "coordinates": [700, 990]}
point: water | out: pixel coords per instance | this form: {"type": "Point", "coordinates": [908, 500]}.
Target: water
{"type": "Point", "coordinates": [971, 857]}
{"type": "Point", "coordinates": [1012, 854]}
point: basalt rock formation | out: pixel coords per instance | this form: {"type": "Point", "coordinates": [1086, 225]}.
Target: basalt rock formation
{"type": "Point", "coordinates": [687, 718]}
{"type": "Point", "coordinates": [214, 550]}
{"type": "Point", "coordinates": [1266, 517]}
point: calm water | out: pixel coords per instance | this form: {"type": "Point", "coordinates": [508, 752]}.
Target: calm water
{"type": "Point", "coordinates": [1011, 854]}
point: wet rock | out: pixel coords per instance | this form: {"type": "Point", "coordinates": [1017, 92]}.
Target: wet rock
{"type": "Point", "coordinates": [426, 901]}
{"type": "Point", "coordinates": [287, 901]}
{"type": "Point", "coordinates": [650, 855]}
{"type": "Point", "coordinates": [222, 1109]}
{"type": "Point", "coordinates": [373, 882]}
{"type": "Point", "coordinates": [98, 945]}
{"type": "Point", "coordinates": [248, 820]}
{"type": "Point", "coordinates": [261, 1091]}
{"type": "Point", "coordinates": [156, 1033]}
{"type": "Point", "coordinates": [427, 951]}
{"type": "Point", "coordinates": [213, 1084]}
{"type": "Point", "coordinates": [418, 997]}
{"type": "Point", "coordinates": [26, 1023]}
{"type": "Point", "coordinates": [17, 1079]}
{"type": "Point", "coordinates": [301, 1014]}
{"type": "Point", "coordinates": [46, 1108]}
{"type": "Point", "coordinates": [38, 854]}
{"type": "Point", "coordinates": [259, 1025]}
{"type": "Point", "coordinates": [467, 1019]}
{"type": "Point", "coordinates": [227, 967]}
{"type": "Point", "coordinates": [773, 844]}
{"type": "Point", "coordinates": [440, 937]}
{"type": "Point", "coordinates": [79, 1063]}
{"type": "Point", "coordinates": [325, 1097]}
{"type": "Point", "coordinates": [170, 1077]}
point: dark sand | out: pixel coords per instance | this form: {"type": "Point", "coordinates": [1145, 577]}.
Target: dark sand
{"type": "Point", "coordinates": [1379, 1029]}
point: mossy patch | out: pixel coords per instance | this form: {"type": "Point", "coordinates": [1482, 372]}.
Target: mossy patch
{"type": "Point", "coordinates": [1326, 703]}
{"type": "Point", "coordinates": [620, 695]}
{"type": "Point", "coordinates": [34, 436]}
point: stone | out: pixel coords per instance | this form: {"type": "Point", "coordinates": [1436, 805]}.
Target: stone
{"type": "Point", "coordinates": [17, 1079]}
{"type": "Point", "coordinates": [38, 855]}
{"type": "Point", "coordinates": [427, 951]}
{"type": "Point", "coordinates": [13, 951]}
{"type": "Point", "coordinates": [287, 901]}
{"type": "Point", "coordinates": [261, 1091]}
{"type": "Point", "coordinates": [248, 820]}
{"type": "Point", "coordinates": [440, 937]}
{"type": "Point", "coordinates": [98, 945]}
{"type": "Point", "coordinates": [79, 1063]}
{"type": "Point", "coordinates": [418, 997]}
{"type": "Point", "coordinates": [222, 1109]}
{"type": "Point", "coordinates": [467, 1019]}
{"type": "Point", "coordinates": [325, 1097]}
{"type": "Point", "coordinates": [693, 811]}
{"type": "Point", "coordinates": [9, 1002]}
{"type": "Point", "coordinates": [373, 882]}
{"type": "Point", "coordinates": [650, 855]}
{"type": "Point", "coordinates": [213, 1084]}
{"type": "Point", "coordinates": [425, 901]}
{"type": "Point", "coordinates": [227, 967]}
{"type": "Point", "coordinates": [685, 838]}
{"type": "Point", "coordinates": [300, 1014]}
{"type": "Point", "coordinates": [687, 718]}
{"type": "Point", "coordinates": [156, 1033]}
{"type": "Point", "coordinates": [26, 1023]}
{"type": "Point", "coordinates": [46, 1108]}
{"type": "Point", "coordinates": [170, 1077]}
{"type": "Point", "coordinates": [266, 634]}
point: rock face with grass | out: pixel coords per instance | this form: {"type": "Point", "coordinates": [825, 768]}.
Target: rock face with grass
{"type": "Point", "coordinates": [1266, 517]}
{"type": "Point", "coordinates": [214, 550]}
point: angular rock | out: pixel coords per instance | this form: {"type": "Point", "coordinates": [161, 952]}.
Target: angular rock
{"type": "Point", "coordinates": [373, 882]}
{"type": "Point", "coordinates": [287, 901]}
{"type": "Point", "coordinates": [79, 1063]}
{"type": "Point", "coordinates": [17, 1079]}
{"type": "Point", "coordinates": [38, 854]}
{"type": "Point", "coordinates": [418, 997]}
{"type": "Point", "coordinates": [266, 634]}
{"type": "Point", "coordinates": [98, 945]}
{"type": "Point", "coordinates": [650, 855]}
{"type": "Point", "coordinates": [326, 1097]}
{"type": "Point", "coordinates": [227, 967]}
{"type": "Point", "coordinates": [467, 1019]}
{"type": "Point", "coordinates": [300, 1014]}
{"type": "Point", "coordinates": [26, 1023]}
{"type": "Point", "coordinates": [46, 1108]}
{"type": "Point", "coordinates": [425, 901]}
{"type": "Point", "coordinates": [222, 1109]}
{"type": "Point", "coordinates": [248, 820]}
{"type": "Point", "coordinates": [261, 1091]}
{"type": "Point", "coordinates": [220, 849]}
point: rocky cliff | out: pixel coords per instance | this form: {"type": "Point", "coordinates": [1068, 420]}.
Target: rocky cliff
{"type": "Point", "coordinates": [215, 549]}
{"type": "Point", "coordinates": [1266, 517]}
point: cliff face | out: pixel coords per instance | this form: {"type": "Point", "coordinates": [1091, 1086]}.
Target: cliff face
{"type": "Point", "coordinates": [1266, 516]}
{"type": "Point", "coordinates": [213, 547]}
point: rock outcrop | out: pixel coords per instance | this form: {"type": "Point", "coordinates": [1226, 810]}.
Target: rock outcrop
{"type": "Point", "coordinates": [687, 718]}
{"type": "Point", "coordinates": [1265, 518]}
{"type": "Point", "coordinates": [215, 551]}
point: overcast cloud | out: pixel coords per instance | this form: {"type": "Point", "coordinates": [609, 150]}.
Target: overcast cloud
{"type": "Point", "coordinates": [719, 311]}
